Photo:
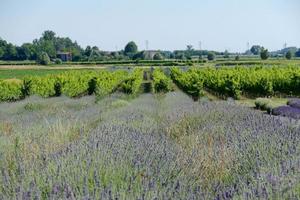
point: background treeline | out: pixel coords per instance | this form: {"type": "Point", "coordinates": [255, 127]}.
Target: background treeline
{"type": "Point", "coordinates": [45, 50]}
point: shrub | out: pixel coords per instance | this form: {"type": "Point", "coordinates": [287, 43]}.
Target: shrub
{"type": "Point", "coordinates": [158, 56]}
{"type": "Point", "coordinates": [288, 55]}
{"type": "Point", "coordinates": [58, 61]}
{"type": "Point", "coordinates": [43, 59]}
{"type": "Point", "coordinates": [262, 103]}
{"type": "Point", "coordinates": [264, 54]}
{"type": "Point", "coordinates": [210, 56]}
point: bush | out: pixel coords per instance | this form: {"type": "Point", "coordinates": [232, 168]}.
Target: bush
{"type": "Point", "coordinates": [288, 55]}
{"type": "Point", "coordinates": [262, 104]}
{"type": "Point", "coordinates": [158, 56]}
{"type": "Point", "coordinates": [264, 54]}
{"type": "Point", "coordinates": [210, 56]}
{"type": "Point", "coordinates": [58, 61]}
{"type": "Point", "coordinates": [43, 59]}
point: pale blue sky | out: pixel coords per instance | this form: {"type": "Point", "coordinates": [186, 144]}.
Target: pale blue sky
{"type": "Point", "coordinates": [166, 24]}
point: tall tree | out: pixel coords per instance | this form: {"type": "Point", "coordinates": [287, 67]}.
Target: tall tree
{"type": "Point", "coordinates": [131, 49]}
{"type": "Point", "coordinates": [264, 54]}
{"type": "Point", "coordinates": [256, 49]}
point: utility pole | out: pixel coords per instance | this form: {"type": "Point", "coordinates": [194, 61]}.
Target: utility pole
{"type": "Point", "coordinates": [200, 45]}
{"type": "Point", "coordinates": [284, 45]}
{"type": "Point", "coordinates": [147, 45]}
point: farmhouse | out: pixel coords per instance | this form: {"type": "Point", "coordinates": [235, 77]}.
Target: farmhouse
{"type": "Point", "coordinates": [64, 56]}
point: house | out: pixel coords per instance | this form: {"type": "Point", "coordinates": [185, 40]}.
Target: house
{"type": "Point", "coordinates": [64, 56]}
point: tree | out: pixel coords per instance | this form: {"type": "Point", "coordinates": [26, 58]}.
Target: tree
{"type": "Point", "coordinates": [10, 52]}
{"type": "Point", "coordinates": [256, 49]}
{"type": "Point", "coordinates": [158, 56]}
{"type": "Point", "coordinates": [288, 55]}
{"type": "Point", "coordinates": [48, 35]}
{"type": "Point", "coordinates": [130, 49]}
{"type": "Point", "coordinates": [189, 52]}
{"type": "Point", "coordinates": [237, 58]}
{"type": "Point", "coordinates": [226, 54]}
{"type": "Point", "coordinates": [29, 51]}
{"type": "Point", "coordinates": [43, 59]}
{"type": "Point", "coordinates": [264, 54]}
{"type": "Point", "coordinates": [211, 56]}
{"type": "Point", "coordinates": [88, 51]}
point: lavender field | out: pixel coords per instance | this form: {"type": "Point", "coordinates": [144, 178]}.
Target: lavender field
{"type": "Point", "coordinates": [150, 147]}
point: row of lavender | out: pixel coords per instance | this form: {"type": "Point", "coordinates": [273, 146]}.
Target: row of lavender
{"type": "Point", "coordinates": [148, 148]}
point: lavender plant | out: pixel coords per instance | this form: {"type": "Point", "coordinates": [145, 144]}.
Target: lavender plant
{"type": "Point", "coordinates": [166, 147]}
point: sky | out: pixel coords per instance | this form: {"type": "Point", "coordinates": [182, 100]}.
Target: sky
{"type": "Point", "coordinates": [166, 24]}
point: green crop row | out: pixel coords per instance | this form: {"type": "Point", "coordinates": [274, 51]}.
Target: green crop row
{"type": "Point", "coordinates": [72, 84]}
{"type": "Point", "coordinates": [161, 83]}
{"type": "Point", "coordinates": [132, 84]}
{"type": "Point", "coordinates": [11, 90]}
{"type": "Point", "coordinates": [235, 81]}
{"type": "Point", "coordinates": [190, 81]}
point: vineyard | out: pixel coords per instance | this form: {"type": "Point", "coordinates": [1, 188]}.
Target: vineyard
{"type": "Point", "coordinates": [237, 81]}
{"type": "Point", "coordinates": [224, 82]}
{"type": "Point", "coordinates": [71, 84]}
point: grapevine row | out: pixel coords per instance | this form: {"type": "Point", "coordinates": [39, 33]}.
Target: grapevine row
{"type": "Point", "coordinates": [72, 84]}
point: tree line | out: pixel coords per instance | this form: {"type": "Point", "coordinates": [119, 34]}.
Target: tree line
{"type": "Point", "coordinates": [46, 48]}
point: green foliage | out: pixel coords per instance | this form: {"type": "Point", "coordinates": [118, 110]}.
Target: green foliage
{"type": "Point", "coordinates": [257, 81]}
{"type": "Point", "coordinates": [235, 81]}
{"type": "Point", "coordinates": [107, 82]}
{"type": "Point", "coordinates": [190, 81]}
{"type": "Point", "coordinates": [262, 103]}
{"type": "Point", "coordinates": [10, 90]}
{"type": "Point", "coordinates": [158, 56]}
{"type": "Point", "coordinates": [161, 83]}
{"type": "Point", "coordinates": [74, 84]}
{"type": "Point", "coordinates": [131, 48]}
{"type": "Point", "coordinates": [210, 56]}
{"type": "Point", "coordinates": [133, 82]}
{"type": "Point", "coordinates": [43, 59]}
{"type": "Point", "coordinates": [256, 49]}
{"type": "Point", "coordinates": [264, 54]}
{"type": "Point", "coordinates": [288, 55]}
{"type": "Point", "coordinates": [45, 86]}
{"type": "Point", "coordinates": [58, 61]}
